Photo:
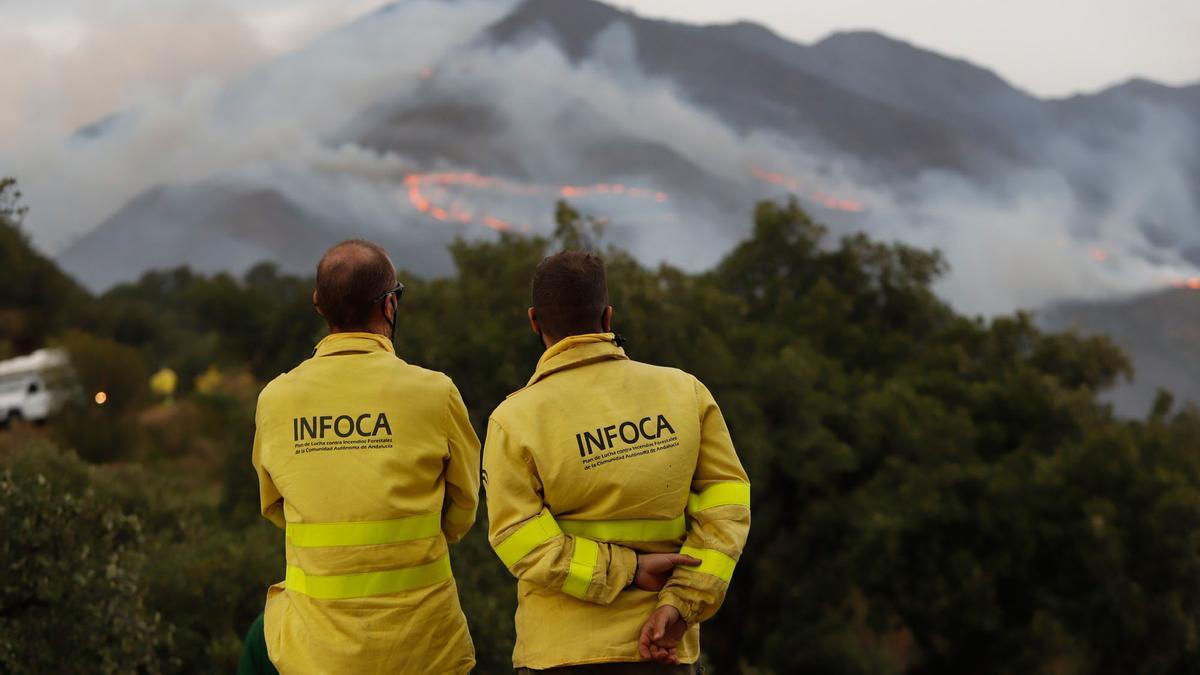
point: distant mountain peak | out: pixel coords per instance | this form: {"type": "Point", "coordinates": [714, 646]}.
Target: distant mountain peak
{"type": "Point", "coordinates": [860, 35]}
{"type": "Point", "coordinates": [1139, 89]}
{"type": "Point", "coordinates": [864, 43]}
{"type": "Point", "coordinates": [749, 29]}
{"type": "Point", "coordinates": [1142, 86]}
{"type": "Point", "coordinates": [572, 23]}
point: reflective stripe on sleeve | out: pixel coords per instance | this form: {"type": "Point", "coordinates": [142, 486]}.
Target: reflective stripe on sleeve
{"type": "Point", "coordinates": [712, 562]}
{"type": "Point", "coordinates": [626, 530]}
{"type": "Point", "coordinates": [308, 535]}
{"type": "Point", "coordinates": [530, 535]}
{"type": "Point", "coordinates": [583, 561]}
{"type": "Point", "coordinates": [458, 515]}
{"type": "Point", "coordinates": [342, 586]}
{"type": "Point", "coordinates": [719, 494]}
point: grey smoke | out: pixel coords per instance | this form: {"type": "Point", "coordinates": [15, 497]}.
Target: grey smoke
{"type": "Point", "coordinates": [277, 115]}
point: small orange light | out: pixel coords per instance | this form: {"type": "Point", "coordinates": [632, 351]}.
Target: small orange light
{"type": "Point", "coordinates": [101, 397]}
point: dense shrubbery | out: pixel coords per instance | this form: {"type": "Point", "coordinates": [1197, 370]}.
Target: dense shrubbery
{"type": "Point", "coordinates": [932, 493]}
{"type": "Point", "coordinates": [74, 596]}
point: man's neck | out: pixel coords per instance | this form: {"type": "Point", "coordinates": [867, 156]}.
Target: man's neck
{"type": "Point", "coordinates": [551, 341]}
{"type": "Point", "coordinates": [375, 331]}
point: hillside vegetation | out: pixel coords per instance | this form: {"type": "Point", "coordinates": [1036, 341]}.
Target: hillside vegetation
{"type": "Point", "coordinates": [933, 493]}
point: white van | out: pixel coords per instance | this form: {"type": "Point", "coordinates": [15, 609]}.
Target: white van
{"type": "Point", "coordinates": [34, 387]}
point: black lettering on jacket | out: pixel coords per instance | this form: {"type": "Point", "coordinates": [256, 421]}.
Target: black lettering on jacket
{"type": "Point", "coordinates": [342, 426]}
{"type": "Point", "coordinates": [629, 432]}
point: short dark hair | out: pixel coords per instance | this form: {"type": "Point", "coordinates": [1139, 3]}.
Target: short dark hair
{"type": "Point", "coordinates": [570, 293]}
{"type": "Point", "coordinates": [350, 278]}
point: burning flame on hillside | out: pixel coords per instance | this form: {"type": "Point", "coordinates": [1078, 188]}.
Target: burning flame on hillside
{"type": "Point", "coordinates": [1101, 255]}
{"type": "Point", "coordinates": [820, 198]}
{"type": "Point", "coordinates": [428, 193]}
{"type": "Point", "coordinates": [438, 194]}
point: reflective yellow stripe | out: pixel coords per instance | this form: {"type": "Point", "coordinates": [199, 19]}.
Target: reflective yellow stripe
{"type": "Point", "coordinates": [458, 515]}
{"type": "Point", "coordinates": [720, 494]}
{"type": "Point", "coordinates": [712, 562]}
{"type": "Point", "coordinates": [583, 561]}
{"type": "Point", "coordinates": [531, 535]}
{"type": "Point", "coordinates": [342, 586]}
{"type": "Point", "coordinates": [626, 530]}
{"type": "Point", "coordinates": [363, 533]}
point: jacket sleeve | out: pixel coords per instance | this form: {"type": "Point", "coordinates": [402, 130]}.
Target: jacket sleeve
{"type": "Point", "coordinates": [718, 514]}
{"type": "Point", "coordinates": [529, 541]}
{"type": "Point", "coordinates": [462, 471]}
{"type": "Point", "coordinates": [270, 502]}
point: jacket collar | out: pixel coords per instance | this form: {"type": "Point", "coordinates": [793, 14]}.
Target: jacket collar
{"type": "Point", "coordinates": [337, 343]}
{"type": "Point", "coordinates": [575, 351]}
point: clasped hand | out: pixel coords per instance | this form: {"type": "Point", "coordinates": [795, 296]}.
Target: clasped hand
{"type": "Point", "coordinates": [665, 627]}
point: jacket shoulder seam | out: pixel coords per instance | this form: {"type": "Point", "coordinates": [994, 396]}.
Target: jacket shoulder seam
{"type": "Point", "coordinates": [526, 458]}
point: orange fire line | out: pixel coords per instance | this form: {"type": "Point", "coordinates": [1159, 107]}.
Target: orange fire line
{"type": "Point", "coordinates": [421, 202]}
{"type": "Point", "coordinates": [794, 185]}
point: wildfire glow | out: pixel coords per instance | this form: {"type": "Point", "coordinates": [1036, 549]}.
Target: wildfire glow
{"type": "Point", "coordinates": [427, 191]}
{"type": "Point", "coordinates": [497, 224]}
{"type": "Point", "coordinates": [1099, 254]}
{"type": "Point", "coordinates": [794, 185]}
{"type": "Point", "coordinates": [1190, 283]}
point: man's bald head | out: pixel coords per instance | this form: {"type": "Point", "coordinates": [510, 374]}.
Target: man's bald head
{"type": "Point", "coordinates": [350, 278]}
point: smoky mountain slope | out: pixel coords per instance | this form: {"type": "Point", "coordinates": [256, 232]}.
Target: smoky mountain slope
{"type": "Point", "coordinates": [1161, 334]}
{"type": "Point", "coordinates": [218, 226]}
{"type": "Point", "coordinates": [753, 88]}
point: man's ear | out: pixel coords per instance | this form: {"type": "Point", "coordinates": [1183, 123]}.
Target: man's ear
{"type": "Point", "coordinates": [533, 322]}
{"type": "Point", "coordinates": [316, 305]}
{"type": "Point", "coordinates": [606, 319]}
{"type": "Point", "coordinates": [394, 303]}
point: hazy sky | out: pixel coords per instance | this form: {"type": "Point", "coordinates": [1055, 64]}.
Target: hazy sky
{"type": "Point", "coordinates": [67, 62]}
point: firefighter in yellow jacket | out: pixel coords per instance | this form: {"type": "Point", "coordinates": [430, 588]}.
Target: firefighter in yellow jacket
{"type": "Point", "coordinates": [598, 464]}
{"type": "Point", "coordinates": [371, 467]}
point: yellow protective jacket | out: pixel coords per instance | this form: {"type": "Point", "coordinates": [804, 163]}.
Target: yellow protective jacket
{"type": "Point", "coordinates": [371, 465]}
{"type": "Point", "coordinates": [596, 459]}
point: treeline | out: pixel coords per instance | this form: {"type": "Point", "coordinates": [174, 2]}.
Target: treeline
{"type": "Point", "coordinates": [933, 493]}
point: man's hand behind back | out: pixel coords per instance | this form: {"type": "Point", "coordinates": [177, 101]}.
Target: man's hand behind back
{"type": "Point", "coordinates": [653, 569]}
{"type": "Point", "coordinates": [661, 635]}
